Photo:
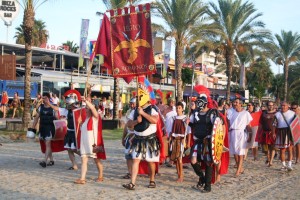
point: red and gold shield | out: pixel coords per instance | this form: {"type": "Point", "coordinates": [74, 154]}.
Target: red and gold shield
{"type": "Point", "coordinates": [217, 140]}
{"type": "Point", "coordinates": [295, 129]}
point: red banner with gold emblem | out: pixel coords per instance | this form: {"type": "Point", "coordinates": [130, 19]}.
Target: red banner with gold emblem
{"type": "Point", "coordinates": [131, 41]}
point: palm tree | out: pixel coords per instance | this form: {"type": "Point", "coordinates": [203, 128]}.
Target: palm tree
{"type": "Point", "coordinates": [181, 18]}
{"type": "Point", "coordinates": [234, 23]}
{"type": "Point", "coordinates": [20, 35]}
{"type": "Point", "coordinates": [115, 4]}
{"type": "Point", "coordinates": [287, 52]}
{"type": "Point", "coordinates": [29, 7]}
{"type": "Point", "coordinates": [277, 87]}
{"type": "Point", "coordinates": [73, 46]}
{"type": "Point", "coordinates": [40, 34]}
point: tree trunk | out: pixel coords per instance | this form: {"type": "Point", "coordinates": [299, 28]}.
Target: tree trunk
{"type": "Point", "coordinates": [229, 56]}
{"type": "Point", "coordinates": [286, 74]}
{"type": "Point", "coordinates": [179, 59]}
{"type": "Point", "coordinates": [116, 96]}
{"type": "Point", "coordinates": [28, 22]}
{"type": "Point", "coordinates": [242, 76]}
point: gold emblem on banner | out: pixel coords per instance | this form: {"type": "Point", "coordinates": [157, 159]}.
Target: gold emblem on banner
{"type": "Point", "coordinates": [132, 46]}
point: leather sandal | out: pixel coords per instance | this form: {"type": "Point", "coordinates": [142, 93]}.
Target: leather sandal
{"type": "Point", "coordinates": [127, 176]}
{"type": "Point", "coordinates": [51, 163]}
{"type": "Point", "coordinates": [99, 179]}
{"type": "Point", "coordinates": [129, 186]}
{"type": "Point", "coordinates": [43, 164]}
{"type": "Point", "coordinates": [152, 184]}
{"type": "Point", "coordinates": [79, 181]}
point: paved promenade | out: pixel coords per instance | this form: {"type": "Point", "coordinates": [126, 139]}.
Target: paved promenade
{"type": "Point", "coordinates": [22, 178]}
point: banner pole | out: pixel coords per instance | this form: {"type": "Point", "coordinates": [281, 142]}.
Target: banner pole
{"type": "Point", "coordinates": [137, 92]}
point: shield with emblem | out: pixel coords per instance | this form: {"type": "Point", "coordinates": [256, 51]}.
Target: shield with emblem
{"type": "Point", "coordinates": [60, 129]}
{"type": "Point", "coordinates": [295, 129]}
{"type": "Point", "coordinates": [217, 140]}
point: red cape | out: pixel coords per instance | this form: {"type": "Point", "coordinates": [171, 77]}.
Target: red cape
{"type": "Point", "coordinates": [225, 156]}
{"type": "Point", "coordinates": [56, 146]}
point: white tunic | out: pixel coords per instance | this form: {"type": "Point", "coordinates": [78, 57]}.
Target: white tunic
{"type": "Point", "coordinates": [237, 134]}
{"type": "Point", "coordinates": [88, 138]}
{"type": "Point", "coordinates": [281, 123]}
{"type": "Point", "coordinates": [150, 130]}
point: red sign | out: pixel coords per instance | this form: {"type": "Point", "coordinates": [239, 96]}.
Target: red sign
{"type": "Point", "coordinates": [131, 37]}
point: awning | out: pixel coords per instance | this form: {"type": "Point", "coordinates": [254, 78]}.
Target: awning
{"type": "Point", "coordinates": [214, 93]}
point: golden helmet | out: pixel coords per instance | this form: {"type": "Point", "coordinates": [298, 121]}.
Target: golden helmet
{"type": "Point", "coordinates": [143, 95]}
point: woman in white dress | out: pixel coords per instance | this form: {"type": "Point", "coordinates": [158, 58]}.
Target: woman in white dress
{"type": "Point", "coordinates": [89, 136]}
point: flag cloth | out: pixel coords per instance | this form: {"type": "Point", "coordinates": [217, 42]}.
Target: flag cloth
{"type": "Point", "coordinates": [167, 52]}
{"type": "Point", "coordinates": [92, 50]}
{"type": "Point", "coordinates": [131, 37]}
{"type": "Point", "coordinates": [103, 42]}
{"type": "Point", "coordinates": [144, 81]}
{"type": "Point", "coordinates": [83, 38]}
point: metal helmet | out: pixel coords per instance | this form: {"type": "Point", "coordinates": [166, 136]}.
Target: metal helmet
{"type": "Point", "coordinates": [70, 100]}
{"type": "Point", "coordinates": [201, 102]}
{"type": "Point", "coordinates": [132, 100]}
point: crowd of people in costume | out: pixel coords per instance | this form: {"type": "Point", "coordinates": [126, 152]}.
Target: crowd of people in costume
{"type": "Point", "coordinates": [156, 134]}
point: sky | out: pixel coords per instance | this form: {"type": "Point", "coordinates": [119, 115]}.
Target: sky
{"type": "Point", "coordinates": [63, 19]}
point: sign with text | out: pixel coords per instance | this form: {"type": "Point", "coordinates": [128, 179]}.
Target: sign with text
{"type": "Point", "coordinates": [131, 36]}
{"type": "Point", "coordinates": [9, 10]}
{"type": "Point", "coordinates": [8, 67]}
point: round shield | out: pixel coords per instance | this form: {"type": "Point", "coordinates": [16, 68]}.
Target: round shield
{"type": "Point", "coordinates": [217, 140]}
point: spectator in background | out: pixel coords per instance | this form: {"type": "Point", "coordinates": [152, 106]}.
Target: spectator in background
{"type": "Point", "coordinates": [16, 103]}
{"type": "Point", "coordinates": [55, 100]}
{"type": "Point", "coordinates": [226, 106]}
{"type": "Point", "coordinates": [263, 107]}
{"type": "Point", "coordinates": [62, 102]}
{"type": "Point", "coordinates": [252, 144]}
{"type": "Point", "coordinates": [111, 108]}
{"type": "Point", "coordinates": [36, 104]}
{"type": "Point", "coordinates": [184, 104]}
{"type": "Point", "coordinates": [221, 106]}
{"type": "Point", "coordinates": [96, 101]}
{"type": "Point", "coordinates": [4, 103]}
{"type": "Point", "coordinates": [101, 110]}
{"type": "Point", "coordinates": [257, 107]}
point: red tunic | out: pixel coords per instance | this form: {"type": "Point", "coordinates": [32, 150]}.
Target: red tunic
{"type": "Point", "coordinates": [266, 122]}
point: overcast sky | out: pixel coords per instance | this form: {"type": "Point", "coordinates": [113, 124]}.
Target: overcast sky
{"type": "Point", "coordinates": [63, 18]}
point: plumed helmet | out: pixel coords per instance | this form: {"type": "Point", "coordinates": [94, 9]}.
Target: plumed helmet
{"type": "Point", "coordinates": [143, 95]}
{"type": "Point", "coordinates": [132, 100]}
{"type": "Point", "coordinates": [201, 102]}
